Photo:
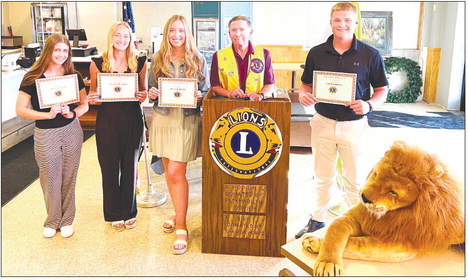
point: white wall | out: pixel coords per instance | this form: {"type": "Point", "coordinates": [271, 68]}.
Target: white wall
{"type": "Point", "coordinates": [308, 23]}
{"type": "Point", "coordinates": [291, 23]}
{"type": "Point", "coordinates": [20, 19]}
{"type": "Point", "coordinates": [5, 17]}
{"type": "Point", "coordinates": [405, 21]}
{"type": "Point", "coordinates": [96, 18]}
{"type": "Point", "coordinates": [156, 14]}
{"type": "Point", "coordinates": [444, 27]}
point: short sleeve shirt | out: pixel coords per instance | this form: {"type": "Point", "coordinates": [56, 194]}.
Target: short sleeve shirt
{"type": "Point", "coordinates": [243, 68]}
{"type": "Point", "coordinates": [361, 59]}
{"type": "Point", "coordinates": [59, 120]}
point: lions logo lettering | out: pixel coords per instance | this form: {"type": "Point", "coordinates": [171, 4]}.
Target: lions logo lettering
{"type": "Point", "coordinates": [245, 143]}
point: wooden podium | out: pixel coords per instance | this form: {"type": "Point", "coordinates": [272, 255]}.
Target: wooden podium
{"type": "Point", "coordinates": [245, 175]}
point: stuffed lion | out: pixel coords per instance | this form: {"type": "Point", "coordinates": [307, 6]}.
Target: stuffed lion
{"type": "Point", "coordinates": [409, 205]}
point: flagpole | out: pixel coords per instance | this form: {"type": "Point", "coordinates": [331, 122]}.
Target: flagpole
{"type": "Point", "coordinates": [149, 197]}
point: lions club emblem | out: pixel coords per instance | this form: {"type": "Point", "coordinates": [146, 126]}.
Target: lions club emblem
{"type": "Point", "coordinates": [257, 65]}
{"type": "Point", "coordinates": [245, 143]}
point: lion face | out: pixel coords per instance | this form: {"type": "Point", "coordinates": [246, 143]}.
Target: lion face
{"type": "Point", "coordinates": [387, 190]}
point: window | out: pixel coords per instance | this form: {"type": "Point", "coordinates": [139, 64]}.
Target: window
{"type": "Point", "coordinates": [377, 30]}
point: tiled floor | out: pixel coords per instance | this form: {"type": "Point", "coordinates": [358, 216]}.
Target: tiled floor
{"type": "Point", "coordinates": [96, 250]}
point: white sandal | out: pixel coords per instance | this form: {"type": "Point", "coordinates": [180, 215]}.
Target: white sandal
{"type": "Point", "coordinates": [118, 225]}
{"type": "Point", "coordinates": [180, 242]}
{"type": "Point", "coordinates": [171, 223]}
{"type": "Point", "coordinates": [131, 223]}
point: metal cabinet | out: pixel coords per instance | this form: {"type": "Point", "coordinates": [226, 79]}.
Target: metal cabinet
{"type": "Point", "coordinates": [48, 18]}
{"type": "Point", "coordinates": [206, 36]}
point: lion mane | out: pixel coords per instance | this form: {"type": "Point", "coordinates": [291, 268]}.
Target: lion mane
{"type": "Point", "coordinates": [434, 220]}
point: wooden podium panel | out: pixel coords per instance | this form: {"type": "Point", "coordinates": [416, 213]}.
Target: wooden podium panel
{"type": "Point", "coordinates": [244, 216]}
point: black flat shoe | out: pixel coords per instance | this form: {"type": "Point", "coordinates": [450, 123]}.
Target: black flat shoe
{"type": "Point", "coordinates": [312, 226]}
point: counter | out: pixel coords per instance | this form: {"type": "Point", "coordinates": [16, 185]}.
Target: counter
{"type": "Point", "coordinates": [10, 85]}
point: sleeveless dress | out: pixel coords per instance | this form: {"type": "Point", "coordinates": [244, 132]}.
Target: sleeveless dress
{"type": "Point", "coordinates": [175, 136]}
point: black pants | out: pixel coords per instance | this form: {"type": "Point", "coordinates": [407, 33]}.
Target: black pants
{"type": "Point", "coordinates": [119, 127]}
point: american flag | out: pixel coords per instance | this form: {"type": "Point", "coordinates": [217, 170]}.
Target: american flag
{"type": "Point", "coordinates": [127, 13]}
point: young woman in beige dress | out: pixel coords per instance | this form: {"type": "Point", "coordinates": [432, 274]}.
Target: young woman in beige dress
{"type": "Point", "coordinates": [175, 133]}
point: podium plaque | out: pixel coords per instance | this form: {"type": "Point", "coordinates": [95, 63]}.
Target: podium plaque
{"type": "Point", "coordinates": [245, 175]}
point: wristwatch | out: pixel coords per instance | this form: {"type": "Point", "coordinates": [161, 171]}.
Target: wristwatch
{"type": "Point", "coordinates": [370, 107]}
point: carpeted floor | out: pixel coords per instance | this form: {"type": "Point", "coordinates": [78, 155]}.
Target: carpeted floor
{"type": "Point", "coordinates": [19, 167]}
{"type": "Point", "coordinates": [433, 120]}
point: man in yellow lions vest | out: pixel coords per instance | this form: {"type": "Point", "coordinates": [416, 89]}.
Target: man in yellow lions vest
{"type": "Point", "coordinates": [242, 70]}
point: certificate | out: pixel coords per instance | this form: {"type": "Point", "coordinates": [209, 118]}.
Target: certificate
{"type": "Point", "coordinates": [177, 92]}
{"type": "Point", "coordinates": [63, 89]}
{"type": "Point", "coordinates": [334, 87]}
{"type": "Point", "coordinates": [115, 87]}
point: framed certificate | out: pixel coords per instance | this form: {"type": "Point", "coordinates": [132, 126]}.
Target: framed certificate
{"type": "Point", "coordinates": [177, 92]}
{"type": "Point", "coordinates": [334, 87]}
{"type": "Point", "coordinates": [115, 87]}
{"type": "Point", "coordinates": [63, 89]}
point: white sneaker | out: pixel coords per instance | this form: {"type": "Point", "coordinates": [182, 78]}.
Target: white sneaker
{"type": "Point", "coordinates": [49, 232]}
{"type": "Point", "coordinates": [66, 231]}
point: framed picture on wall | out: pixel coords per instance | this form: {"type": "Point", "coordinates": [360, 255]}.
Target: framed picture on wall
{"type": "Point", "coordinates": [377, 29]}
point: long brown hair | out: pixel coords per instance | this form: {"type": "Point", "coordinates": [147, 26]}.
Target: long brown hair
{"type": "Point", "coordinates": [108, 53]}
{"type": "Point", "coordinates": [192, 61]}
{"type": "Point", "coordinates": [41, 65]}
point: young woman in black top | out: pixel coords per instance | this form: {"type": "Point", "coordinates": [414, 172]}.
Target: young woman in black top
{"type": "Point", "coordinates": [119, 127]}
{"type": "Point", "coordinates": [58, 136]}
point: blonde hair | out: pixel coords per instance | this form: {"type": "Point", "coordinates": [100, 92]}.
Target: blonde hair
{"type": "Point", "coordinates": [41, 65]}
{"type": "Point", "coordinates": [344, 6]}
{"type": "Point", "coordinates": [192, 60]}
{"type": "Point", "coordinates": [108, 54]}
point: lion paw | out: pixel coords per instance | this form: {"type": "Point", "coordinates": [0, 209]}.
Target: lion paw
{"type": "Point", "coordinates": [312, 243]}
{"type": "Point", "coordinates": [328, 269]}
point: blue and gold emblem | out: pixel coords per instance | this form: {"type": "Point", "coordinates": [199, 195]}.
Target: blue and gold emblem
{"type": "Point", "coordinates": [117, 89]}
{"type": "Point", "coordinates": [177, 94]}
{"type": "Point", "coordinates": [58, 93]}
{"type": "Point", "coordinates": [245, 143]}
{"type": "Point", "coordinates": [332, 90]}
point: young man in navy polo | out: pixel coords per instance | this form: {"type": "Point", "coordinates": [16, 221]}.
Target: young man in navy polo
{"type": "Point", "coordinates": [341, 128]}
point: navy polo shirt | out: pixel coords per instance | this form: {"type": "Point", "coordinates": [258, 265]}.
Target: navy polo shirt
{"type": "Point", "coordinates": [361, 59]}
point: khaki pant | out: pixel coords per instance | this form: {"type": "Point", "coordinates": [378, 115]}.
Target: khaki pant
{"type": "Point", "coordinates": [330, 137]}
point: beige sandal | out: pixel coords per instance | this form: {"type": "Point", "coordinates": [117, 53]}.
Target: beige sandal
{"type": "Point", "coordinates": [171, 223]}
{"type": "Point", "coordinates": [118, 225]}
{"type": "Point", "coordinates": [180, 242]}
